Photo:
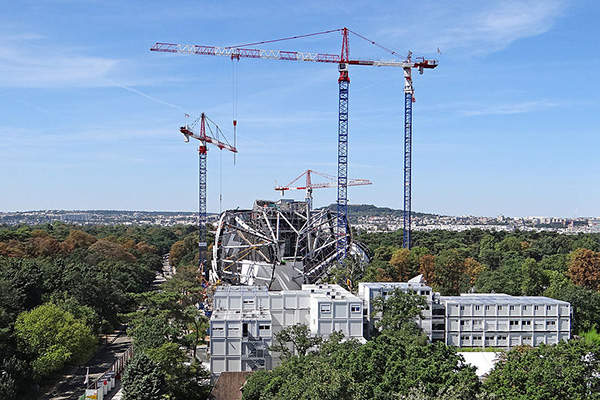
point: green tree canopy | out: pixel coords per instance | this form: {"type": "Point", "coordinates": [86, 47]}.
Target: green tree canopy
{"type": "Point", "coordinates": [53, 337]}
{"type": "Point", "coordinates": [568, 370]}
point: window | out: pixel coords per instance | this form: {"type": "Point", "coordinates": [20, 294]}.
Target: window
{"type": "Point", "coordinates": [477, 322]}
{"type": "Point", "coordinates": [526, 322]}
{"type": "Point", "coordinates": [513, 323]}
{"type": "Point", "coordinates": [462, 308]}
{"type": "Point", "coordinates": [245, 329]}
{"type": "Point", "coordinates": [550, 323]}
{"type": "Point", "coordinates": [512, 308]}
{"type": "Point", "coordinates": [326, 308]}
{"type": "Point", "coordinates": [264, 327]}
{"type": "Point", "coordinates": [248, 301]}
{"type": "Point", "coordinates": [499, 308]}
{"type": "Point", "coordinates": [465, 338]}
{"type": "Point", "coordinates": [477, 337]}
{"type": "Point", "coordinates": [218, 329]}
{"type": "Point", "coordinates": [524, 308]}
{"type": "Point", "coordinates": [385, 292]}
{"type": "Point", "coordinates": [549, 308]}
{"type": "Point", "coordinates": [462, 322]}
{"type": "Point", "coordinates": [535, 308]}
{"type": "Point", "coordinates": [487, 337]}
{"type": "Point", "coordinates": [487, 308]}
{"type": "Point", "coordinates": [355, 308]}
{"type": "Point", "coordinates": [477, 308]}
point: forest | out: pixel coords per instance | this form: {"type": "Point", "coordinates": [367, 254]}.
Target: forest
{"type": "Point", "coordinates": [62, 287]}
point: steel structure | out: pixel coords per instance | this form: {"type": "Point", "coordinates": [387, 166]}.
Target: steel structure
{"type": "Point", "coordinates": [343, 60]}
{"type": "Point", "coordinates": [280, 244]}
{"type": "Point", "coordinates": [205, 124]}
{"type": "Point", "coordinates": [409, 92]}
{"type": "Point", "coordinates": [309, 185]}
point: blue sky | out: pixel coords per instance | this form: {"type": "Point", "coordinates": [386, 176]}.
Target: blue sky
{"type": "Point", "coordinates": [507, 124]}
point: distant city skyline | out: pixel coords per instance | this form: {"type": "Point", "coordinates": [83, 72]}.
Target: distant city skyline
{"type": "Point", "coordinates": [506, 125]}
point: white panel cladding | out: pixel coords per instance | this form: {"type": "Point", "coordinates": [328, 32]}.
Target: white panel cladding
{"type": "Point", "coordinates": [529, 320]}
{"type": "Point", "coordinates": [340, 310]}
{"type": "Point", "coordinates": [217, 364]}
{"type": "Point", "coordinates": [234, 347]}
{"type": "Point", "coordinates": [217, 346]}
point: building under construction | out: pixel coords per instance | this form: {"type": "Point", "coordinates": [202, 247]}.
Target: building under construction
{"type": "Point", "coordinates": [279, 244]}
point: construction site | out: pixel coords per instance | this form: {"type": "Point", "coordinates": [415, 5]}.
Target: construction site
{"type": "Point", "coordinates": [285, 244]}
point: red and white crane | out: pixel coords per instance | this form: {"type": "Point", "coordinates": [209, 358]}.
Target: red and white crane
{"type": "Point", "coordinates": [309, 185]}
{"type": "Point", "coordinates": [207, 132]}
{"type": "Point", "coordinates": [343, 60]}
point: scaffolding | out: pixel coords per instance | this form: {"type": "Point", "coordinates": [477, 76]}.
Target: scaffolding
{"type": "Point", "coordinates": [281, 245]}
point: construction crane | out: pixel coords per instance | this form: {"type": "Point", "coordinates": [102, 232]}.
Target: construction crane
{"type": "Point", "coordinates": [343, 60]}
{"type": "Point", "coordinates": [208, 132]}
{"type": "Point", "coordinates": [309, 185]}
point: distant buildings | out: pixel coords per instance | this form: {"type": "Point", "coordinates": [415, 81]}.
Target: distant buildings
{"type": "Point", "coordinates": [385, 222]}
{"type": "Point", "coordinates": [245, 319]}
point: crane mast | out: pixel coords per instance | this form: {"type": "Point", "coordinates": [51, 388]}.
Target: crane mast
{"type": "Point", "coordinates": [187, 131]}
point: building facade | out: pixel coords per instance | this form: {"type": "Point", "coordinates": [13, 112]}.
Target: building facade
{"type": "Point", "coordinates": [245, 319]}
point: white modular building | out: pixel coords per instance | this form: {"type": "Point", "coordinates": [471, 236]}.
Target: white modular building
{"type": "Point", "coordinates": [245, 319]}
{"type": "Point", "coordinates": [239, 341]}
{"type": "Point", "coordinates": [504, 321]}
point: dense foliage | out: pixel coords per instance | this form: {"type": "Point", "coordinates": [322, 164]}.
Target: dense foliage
{"type": "Point", "coordinates": [569, 370]}
{"type": "Point", "coordinates": [61, 286]}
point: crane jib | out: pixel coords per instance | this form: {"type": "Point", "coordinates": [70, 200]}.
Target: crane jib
{"type": "Point", "coordinates": [236, 52]}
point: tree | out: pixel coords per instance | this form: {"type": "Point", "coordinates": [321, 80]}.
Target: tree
{"type": "Point", "coordinates": [143, 380]}
{"type": "Point", "coordinates": [568, 370]}
{"type": "Point", "coordinates": [402, 265]}
{"type": "Point", "coordinates": [584, 268]}
{"type": "Point", "coordinates": [294, 340]}
{"type": "Point", "coordinates": [534, 280]}
{"type": "Point", "coordinates": [585, 302]}
{"type": "Point", "coordinates": [450, 272]}
{"type": "Point", "coordinates": [398, 311]}
{"type": "Point", "coordinates": [427, 268]}
{"type": "Point", "coordinates": [383, 368]}
{"type": "Point", "coordinates": [53, 337]}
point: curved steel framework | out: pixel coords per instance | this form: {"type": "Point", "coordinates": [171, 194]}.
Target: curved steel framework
{"type": "Point", "coordinates": [279, 244]}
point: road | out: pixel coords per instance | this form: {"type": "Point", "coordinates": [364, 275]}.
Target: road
{"type": "Point", "coordinates": [71, 386]}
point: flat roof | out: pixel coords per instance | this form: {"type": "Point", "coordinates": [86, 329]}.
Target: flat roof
{"type": "Point", "coordinates": [241, 289]}
{"type": "Point", "coordinates": [238, 315]}
{"type": "Point", "coordinates": [405, 285]}
{"type": "Point", "coordinates": [490, 299]}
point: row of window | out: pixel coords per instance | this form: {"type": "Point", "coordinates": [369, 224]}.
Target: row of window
{"type": "Point", "coordinates": [487, 337]}
{"type": "Point", "coordinates": [466, 338]}
{"type": "Point", "coordinates": [326, 308]}
{"type": "Point", "coordinates": [525, 322]}
{"type": "Point", "coordinates": [421, 292]}
{"type": "Point", "coordinates": [512, 308]}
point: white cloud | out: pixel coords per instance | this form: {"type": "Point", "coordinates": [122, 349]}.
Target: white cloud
{"type": "Point", "coordinates": [26, 62]}
{"type": "Point", "coordinates": [479, 26]}
{"type": "Point", "coordinates": [511, 108]}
